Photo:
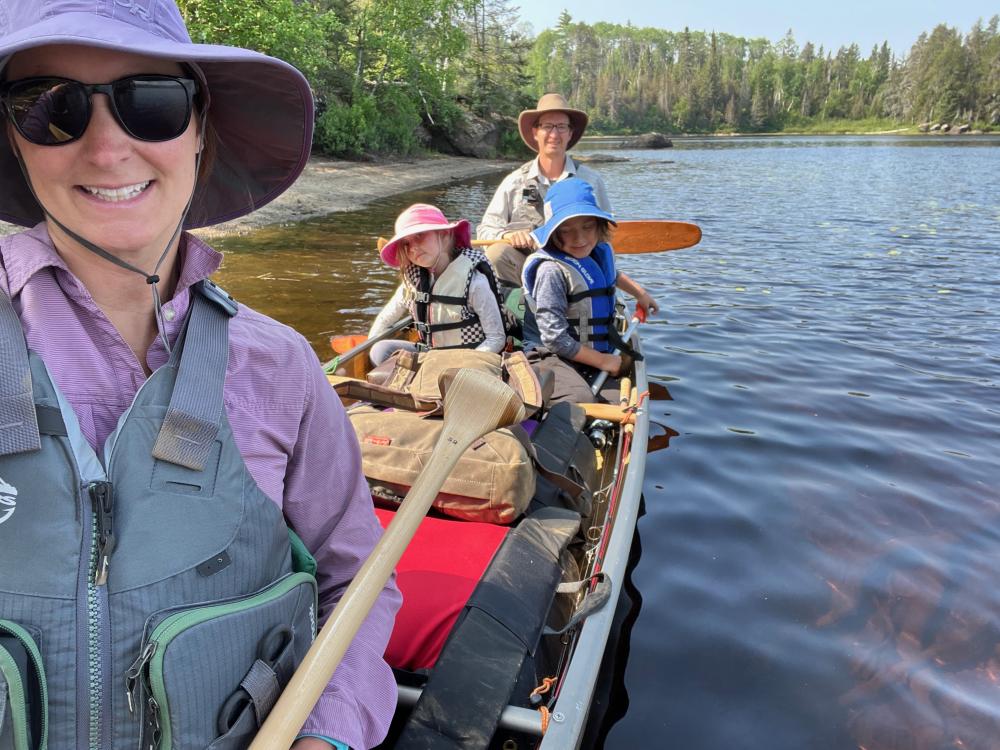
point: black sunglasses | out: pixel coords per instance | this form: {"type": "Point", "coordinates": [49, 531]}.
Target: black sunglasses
{"type": "Point", "coordinates": [54, 111]}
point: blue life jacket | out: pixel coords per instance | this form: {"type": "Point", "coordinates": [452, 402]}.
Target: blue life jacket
{"type": "Point", "coordinates": [591, 294]}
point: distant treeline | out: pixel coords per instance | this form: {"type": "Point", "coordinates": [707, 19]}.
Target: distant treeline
{"type": "Point", "coordinates": [388, 74]}
{"type": "Point", "coordinates": [692, 81]}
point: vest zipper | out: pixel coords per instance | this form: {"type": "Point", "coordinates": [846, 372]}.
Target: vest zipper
{"type": "Point", "coordinates": [102, 542]}
{"type": "Point", "coordinates": [136, 685]}
{"type": "Point", "coordinates": [133, 673]}
{"type": "Point", "coordinates": [103, 497]}
{"type": "Point", "coordinates": [94, 682]}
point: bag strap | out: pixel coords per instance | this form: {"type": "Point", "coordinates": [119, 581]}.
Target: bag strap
{"type": "Point", "coordinates": [403, 371]}
{"type": "Point", "coordinates": [519, 375]}
{"type": "Point", "coordinates": [380, 395]}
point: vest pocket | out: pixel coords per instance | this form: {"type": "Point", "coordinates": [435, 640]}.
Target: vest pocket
{"type": "Point", "coordinates": [208, 676]}
{"type": "Point", "coordinates": [23, 691]}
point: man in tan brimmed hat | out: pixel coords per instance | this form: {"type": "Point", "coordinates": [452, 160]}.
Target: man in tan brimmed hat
{"type": "Point", "coordinates": [551, 129]}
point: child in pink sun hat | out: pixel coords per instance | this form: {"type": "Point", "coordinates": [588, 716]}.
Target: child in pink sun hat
{"type": "Point", "coordinates": [447, 287]}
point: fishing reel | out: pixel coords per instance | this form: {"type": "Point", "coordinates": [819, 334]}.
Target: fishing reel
{"type": "Point", "coordinates": [600, 433]}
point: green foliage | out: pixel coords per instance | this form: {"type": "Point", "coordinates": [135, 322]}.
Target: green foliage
{"type": "Point", "coordinates": [297, 31]}
{"type": "Point", "coordinates": [813, 125]}
{"type": "Point", "coordinates": [493, 74]}
{"type": "Point", "coordinates": [366, 127]}
{"type": "Point", "coordinates": [345, 130]}
{"type": "Point", "coordinates": [382, 68]}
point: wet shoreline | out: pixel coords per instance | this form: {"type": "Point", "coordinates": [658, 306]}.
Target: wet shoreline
{"type": "Point", "coordinates": [329, 186]}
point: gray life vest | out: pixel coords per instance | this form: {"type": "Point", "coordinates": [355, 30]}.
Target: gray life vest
{"type": "Point", "coordinates": [148, 593]}
{"type": "Point", "coordinates": [527, 213]}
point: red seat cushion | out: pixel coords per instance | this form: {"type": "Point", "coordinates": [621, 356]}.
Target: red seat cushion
{"type": "Point", "coordinates": [436, 575]}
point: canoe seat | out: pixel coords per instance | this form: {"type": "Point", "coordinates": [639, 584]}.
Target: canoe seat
{"type": "Point", "coordinates": [436, 576]}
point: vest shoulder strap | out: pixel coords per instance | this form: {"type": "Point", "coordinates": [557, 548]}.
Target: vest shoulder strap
{"type": "Point", "coordinates": [194, 414]}
{"type": "Point", "coordinates": [18, 420]}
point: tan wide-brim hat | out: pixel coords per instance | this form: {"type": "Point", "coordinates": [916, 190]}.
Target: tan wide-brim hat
{"type": "Point", "coordinates": [551, 103]}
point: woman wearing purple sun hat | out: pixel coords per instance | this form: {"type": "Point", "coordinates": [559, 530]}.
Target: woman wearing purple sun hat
{"type": "Point", "coordinates": [184, 502]}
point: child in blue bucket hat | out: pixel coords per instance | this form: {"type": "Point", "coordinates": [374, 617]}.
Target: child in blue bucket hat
{"type": "Point", "coordinates": [160, 441]}
{"type": "Point", "coordinates": [569, 287]}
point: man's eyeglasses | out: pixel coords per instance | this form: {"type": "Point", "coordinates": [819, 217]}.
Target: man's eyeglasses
{"type": "Point", "coordinates": [562, 128]}
{"type": "Point", "coordinates": [55, 111]}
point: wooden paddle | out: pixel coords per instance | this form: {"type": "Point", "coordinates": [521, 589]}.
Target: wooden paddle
{"type": "Point", "coordinates": [635, 237]}
{"type": "Point", "coordinates": [365, 345]}
{"type": "Point", "coordinates": [473, 406]}
{"type": "Point", "coordinates": [626, 337]}
{"type": "Point", "coordinates": [647, 236]}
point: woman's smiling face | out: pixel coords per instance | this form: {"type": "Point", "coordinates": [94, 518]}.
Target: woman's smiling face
{"type": "Point", "coordinates": [125, 195]}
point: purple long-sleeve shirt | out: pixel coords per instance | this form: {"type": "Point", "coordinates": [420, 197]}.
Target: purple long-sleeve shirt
{"type": "Point", "coordinates": [288, 424]}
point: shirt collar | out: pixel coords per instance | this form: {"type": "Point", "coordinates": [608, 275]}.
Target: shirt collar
{"type": "Point", "coordinates": [25, 254]}
{"type": "Point", "coordinates": [569, 169]}
{"type": "Point", "coordinates": [28, 252]}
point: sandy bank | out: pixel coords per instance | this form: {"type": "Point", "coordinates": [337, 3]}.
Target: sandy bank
{"type": "Point", "coordinates": [328, 186]}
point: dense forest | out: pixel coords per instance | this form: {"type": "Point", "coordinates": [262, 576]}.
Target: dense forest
{"type": "Point", "coordinates": [389, 74]}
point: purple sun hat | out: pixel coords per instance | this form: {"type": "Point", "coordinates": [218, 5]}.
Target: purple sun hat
{"type": "Point", "coordinates": [261, 108]}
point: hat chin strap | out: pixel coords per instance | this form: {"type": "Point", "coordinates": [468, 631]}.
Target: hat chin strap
{"type": "Point", "coordinates": [151, 278]}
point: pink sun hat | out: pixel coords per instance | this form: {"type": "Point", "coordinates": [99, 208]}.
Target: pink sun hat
{"type": "Point", "coordinates": [423, 217]}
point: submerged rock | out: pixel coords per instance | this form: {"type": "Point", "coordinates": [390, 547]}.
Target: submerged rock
{"type": "Point", "coordinates": [597, 158]}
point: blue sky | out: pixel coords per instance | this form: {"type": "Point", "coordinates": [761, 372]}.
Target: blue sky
{"type": "Point", "coordinates": [832, 24]}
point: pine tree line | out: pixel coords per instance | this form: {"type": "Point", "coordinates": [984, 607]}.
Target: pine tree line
{"type": "Point", "coordinates": [641, 79]}
{"type": "Point", "coordinates": [390, 74]}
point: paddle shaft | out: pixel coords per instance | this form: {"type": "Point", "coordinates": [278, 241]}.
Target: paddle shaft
{"type": "Point", "coordinates": [350, 354]}
{"type": "Point", "coordinates": [646, 236]}
{"type": "Point", "coordinates": [595, 388]}
{"type": "Point", "coordinates": [474, 406]}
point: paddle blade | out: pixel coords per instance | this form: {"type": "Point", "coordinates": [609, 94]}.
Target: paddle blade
{"type": "Point", "coordinates": [634, 237]}
{"type": "Point", "coordinates": [484, 404]}
{"type": "Point", "coordinates": [646, 236]}
{"type": "Point", "coordinates": [343, 344]}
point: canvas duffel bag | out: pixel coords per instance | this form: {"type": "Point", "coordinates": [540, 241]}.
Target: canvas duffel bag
{"type": "Point", "coordinates": [417, 381]}
{"type": "Point", "coordinates": [492, 483]}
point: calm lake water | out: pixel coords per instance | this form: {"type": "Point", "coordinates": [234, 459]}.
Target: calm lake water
{"type": "Point", "coordinates": [822, 538]}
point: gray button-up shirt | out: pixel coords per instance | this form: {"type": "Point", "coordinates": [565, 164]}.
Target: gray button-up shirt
{"type": "Point", "coordinates": [506, 211]}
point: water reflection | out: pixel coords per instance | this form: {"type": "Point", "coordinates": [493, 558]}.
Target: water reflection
{"type": "Point", "coordinates": [324, 276]}
{"type": "Point", "coordinates": [824, 530]}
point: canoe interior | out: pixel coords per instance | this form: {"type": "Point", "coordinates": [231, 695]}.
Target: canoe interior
{"type": "Point", "coordinates": [452, 692]}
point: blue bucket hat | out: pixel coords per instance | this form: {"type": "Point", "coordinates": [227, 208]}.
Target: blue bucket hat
{"type": "Point", "coordinates": [565, 200]}
{"type": "Point", "coordinates": [261, 108]}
